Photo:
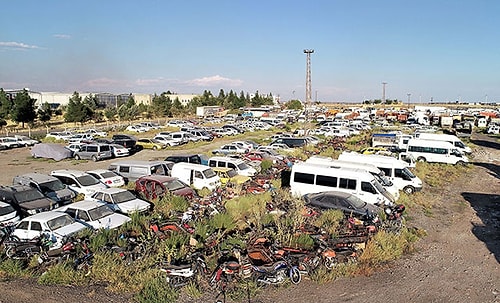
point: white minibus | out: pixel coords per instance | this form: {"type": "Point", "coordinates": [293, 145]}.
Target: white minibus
{"type": "Point", "coordinates": [435, 151]}
{"type": "Point", "coordinates": [446, 138]}
{"type": "Point", "coordinates": [314, 178]}
{"type": "Point", "coordinates": [394, 169]}
{"type": "Point", "coordinates": [196, 175]}
{"type": "Point", "coordinates": [372, 169]}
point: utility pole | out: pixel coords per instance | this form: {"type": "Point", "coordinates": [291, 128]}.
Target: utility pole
{"type": "Point", "coordinates": [383, 92]}
{"type": "Point", "coordinates": [409, 95]}
{"type": "Point", "coordinates": [308, 53]}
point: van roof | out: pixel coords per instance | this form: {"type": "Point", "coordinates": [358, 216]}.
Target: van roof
{"type": "Point", "coordinates": [190, 165]}
{"type": "Point", "coordinates": [374, 159]}
{"type": "Point", "coordinates": [433, 143]}
{"type": "Point", "coordinates": [139, 162]}
{"type": "Point", "coordinates": [222, 158]}
{"type": "Point", "coordinates": [343, 163]}
{"type": "Point", "coordinates": [331, 170]}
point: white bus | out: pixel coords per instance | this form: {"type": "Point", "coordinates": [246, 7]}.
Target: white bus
{"type": "Point", "coordinates": [372, 169]}
{"type": "Point", "coordinates": [435, 151]}
{"type": "Point", "coordinates": [394, 169]}
{"type": "Point", "coordinates": [446, 138]}
{"type": "Point", "coordinates": [314, 178]}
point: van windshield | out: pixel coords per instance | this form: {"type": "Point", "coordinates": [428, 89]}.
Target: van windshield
{"type": "Point", "coordinates": [208, 173]}
{"type": "Point", "coordinates": [408, 173]}
{"type": "Point", "coordinates": [243, 166]}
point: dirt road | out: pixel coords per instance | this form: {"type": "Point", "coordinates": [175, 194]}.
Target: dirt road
{"type": "Point", "coordinates": [459, 260]}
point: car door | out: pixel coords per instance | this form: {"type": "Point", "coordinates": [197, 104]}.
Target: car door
{"type": "Point", "coordinates": [22, 230]}
{"type": "Point", "coordinates": [108, 199]}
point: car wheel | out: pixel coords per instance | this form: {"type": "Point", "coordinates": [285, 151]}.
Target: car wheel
{"type": "Point", "coordinates": [409, 190]}
{"type": "Point", "coordinates": [421, 159]}
{"type": "Point", "coordinates": [94, 158]}
{"type": "Point", "coordinates": [155, 148]}
{"type": "Point", "coordinates": [77, 157]}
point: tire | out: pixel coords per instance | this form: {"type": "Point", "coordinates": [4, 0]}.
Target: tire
{"type": "Point", "coordinates": [10, 251]}
{"type": "Point", "coordinates": [295, 276]}
{"type": "Point", "coordinates": [155, 148]}
{"type": "Point", "coordinates": [77, 157]}
{"type": "Point", "coordinates": [94, 158]}
{"type": "Point", "coordinates": [461, 163]}
{"type": "Point", "coordinates": [329, 263]}
{"type": "Point", "coordinates": [409, 190]}
{"type": "Point", "coordinates": [421, 159]}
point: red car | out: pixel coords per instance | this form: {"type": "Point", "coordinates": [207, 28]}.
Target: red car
{"type": "Point", "coordinates": [156, 186]}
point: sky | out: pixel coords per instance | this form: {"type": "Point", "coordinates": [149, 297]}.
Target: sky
{"type": "Point", "coordinates": [426, 50]}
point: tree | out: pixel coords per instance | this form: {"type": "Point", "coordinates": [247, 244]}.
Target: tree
{"type": "Point", "coordinates": [110, 113]}
{"type": "Point", "coordinates": [76, 111]}
{"type": "Point", "coordinates": [177, 107]}
{"type": "Point", "coordinates": [5, 104]}
{"type": "Point", "coordinates": [294, 104]}
{"type": "Point", "coordinates": [44, 112]}
{"type": "Point", "coordinates": [23, 109]}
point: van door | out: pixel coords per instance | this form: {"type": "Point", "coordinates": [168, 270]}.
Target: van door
{"type": "Point", "coordinates": [198, 180]}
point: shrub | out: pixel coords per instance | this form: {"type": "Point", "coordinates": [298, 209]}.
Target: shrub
{"type": "Point", "coordinates": [157, 290]}
{"type": "Point", "coordinates": [330, 220]}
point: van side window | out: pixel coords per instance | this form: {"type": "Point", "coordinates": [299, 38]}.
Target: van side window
{"type": "Point", "coordinates": [347, 183]}
{"type": "Point", "coordinates": [198, 174]}
{"type": "Point", "coordinates": [194, 159]}
{"type": "Point", "coordinates": [36, 226]}
{"type": "Point", "coordinates": [212, 163]}
{"type": "Point", "coordinates": [326, 181]}
{"type": "Point", "coordinates": [124, 169]}
{"type": "Point", "coordinates": [367, 187]}
{"type": "Point", "coordinates": [92, 148]}
{"type": "Point", "coordinates": [387, 171]}
{"type": "Point", "coordinates": [231, 165]}
{"type": "Point", "coordinates": [303, 178]}
{"type": "Point", "coordinates": [398, 173]}
{"type": "Point", "coordinates": [221, 164]}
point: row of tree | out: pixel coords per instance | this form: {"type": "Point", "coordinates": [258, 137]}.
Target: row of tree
{"type": "Point", "coordinates": [21, 108]}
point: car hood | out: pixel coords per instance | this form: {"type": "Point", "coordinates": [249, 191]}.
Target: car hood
{"type": "Point", "coordinates": [136, 205]}
{"type": "Point", "coordinates": [110, 222]}
{"type": "Point", "coordinates": [70, 229]}
{"type": "Point", "coordinates": [43, 204]}
{"type": "Point", "coordinates": [239, 179]}
{"type": "Point", "coordinates": [184, 192]}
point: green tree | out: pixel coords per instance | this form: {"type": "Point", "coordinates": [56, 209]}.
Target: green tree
{"type": "Point", "coordinates": [294, 104]}
{"type": "Point", "coordinates": [177, 108]}
{"type": "Point", "coordinates": [44, 112]}
{"type": "Point", "coordinates": [76, 111]}
{"type": "Point", "coordinates": [110, 113]}
{"type": "Point", "coordinates": [6, 104]}
{"type": "Point", "coordinates": [24, 108]}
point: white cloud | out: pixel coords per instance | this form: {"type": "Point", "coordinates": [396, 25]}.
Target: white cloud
{"type": "Point", "coordinates": [153, 81]}
{"type": "Point", "coordinates": [102, 82]}
{"type": "Point", "coordinates": [61, 36]}
{"type": "Point", "coordinates": [16, 45]}
{"type": "Point", "coordinates": [214, 81]}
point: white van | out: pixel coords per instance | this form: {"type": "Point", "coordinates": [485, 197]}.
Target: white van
{"type": "Point", "coordinates": [196, 175]}
{"type": "Point", "coordinates": [240, 166]}
{"type": "Point", "coordinates": [308, 178]}
{"type": "Point", "coordinates": [435, 151]}
{"type": "Point", "coordinates": [131, 170]}
{"type": "Point", "coordinates": [446, 138]}
{"type": "Point", "coordinates": [372, 169]}
{"type": "Point", "coordinates": [394, 169]}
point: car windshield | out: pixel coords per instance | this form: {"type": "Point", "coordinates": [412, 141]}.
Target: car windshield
{"type": "Point", "coordinates": [231, 173]}
{"type": "Point", "coordinates": [123, 196]}
{"type": "Point", "coordinates": [100, 212]}
{"type": "Point", "coordinates": [174, 185]}
{"type": "Point", "coordinates": [58, 222]}
{"type": "Point", "coordinates": [28, 195]}
{"type": "Point", "coordinates": [6, 210]}
{"type": "Point", "coordinates": [51, 186]}
{"type": "Point", "coordinates": [356, 202]}
{"type": "Point", "coordinates": [87, 180]}
{"type": "Point", "coordinates": [243, 166]}
{"type": "Point", "coordinates": [208, 173]}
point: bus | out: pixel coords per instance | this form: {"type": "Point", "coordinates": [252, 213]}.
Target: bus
{"type": "Point", "coordinates": [435, 151]}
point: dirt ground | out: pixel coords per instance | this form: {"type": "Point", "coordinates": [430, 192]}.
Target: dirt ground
{"type": "Point", "coordinates": [458, 261]}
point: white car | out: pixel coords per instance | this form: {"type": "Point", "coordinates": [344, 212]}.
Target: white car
{"type": "Point", "coordinates": [8, 214]}
{"type": "Point", "coordinates": [243, 145]}
{"type": "Point", "coordinates": [119, 151]}
{"type": "Point", "coordinates": [166, 140]}
{"type": "Point", "coordinates": [94, 214]}
{"type": "Point", "coordinates": [107, 177]}
{"type": "Point", "coordinates": [96, 133]}
{"type": "Point", "coordinates": [55, 224]}
{"type": "Point", "coordinates": [229, 149]}
{"type": "Point", "coordinates": [80, 138]}
{"type": "Point", "coordinates": [59, 135]}
{"type": "Point", "coordinates": [137, 128]}
{"type": "Point", "coordinates": [121, 200]}
{"type": "Point", "coordinates": [25, 140]}
{"type": "Point", "coordinates": [75, 147]}
{"type": "Point", "coordinates": [78, 181]}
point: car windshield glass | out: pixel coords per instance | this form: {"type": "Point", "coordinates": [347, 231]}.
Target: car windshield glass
{"type": "Point", "coordinates": [51, 186]}
{"type": "Point", "coordinates": [59, 222]}
{"type": "Point", "coordinates": [243, 166]}
{"type": "Point", "coordinates": [100, 212]}
{"type": "Point", "coordinates": [87, 180]}
{"type": "Point", "coordinates": [123, 196]}
{"type": "Point", "coordinates": [173, 185]}
{"type": "Point", "coordinates": [208, 173]}
{"type": "Point", "coordinates": [6, 210]}
{"type": "Point", "coordinates": [356, 202]}
{"type": "Point", "coordinates": [28, 195]}
{"type": "Point", "coordinates": [108, 174]}
{"type": "Point", "coordinates": [231, 173]}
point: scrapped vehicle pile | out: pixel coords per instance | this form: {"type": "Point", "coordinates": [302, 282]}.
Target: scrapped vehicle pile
{"type": "Point", "coordinates": [239, 253]}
